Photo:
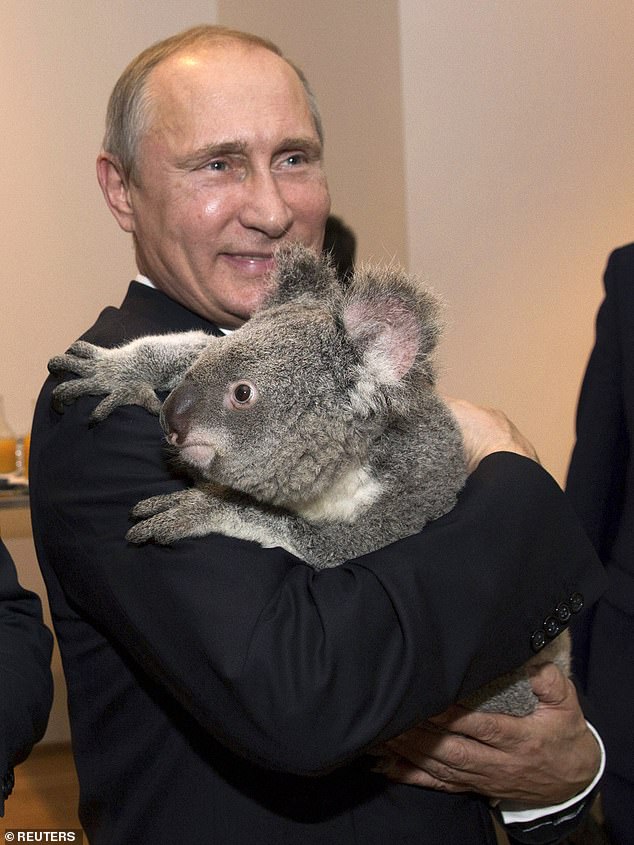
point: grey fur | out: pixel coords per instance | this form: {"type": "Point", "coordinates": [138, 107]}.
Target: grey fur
{"type": "Point", "coordinates": [346, 447]}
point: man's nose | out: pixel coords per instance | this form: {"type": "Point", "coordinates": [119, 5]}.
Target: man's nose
{"type": "Point", "coordinates": [264, 207]}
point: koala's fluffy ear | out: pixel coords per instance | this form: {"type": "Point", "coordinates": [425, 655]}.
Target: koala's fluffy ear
{"type": "Point", "coordinates": [302, 275]}
{"type": "Point", "coordinates": [393, 320]}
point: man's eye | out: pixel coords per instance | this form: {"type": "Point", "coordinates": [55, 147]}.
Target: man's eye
{"type": "Point", "coordinates": [295, 159]}
{"type": "Point", "coordinates": [291, 160]}
{"type": "Point", "coordinates": [217, 166]}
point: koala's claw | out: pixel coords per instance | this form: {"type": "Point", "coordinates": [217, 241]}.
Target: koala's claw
{"type": "Point", "coordinates": [157, 519]}
{"type": "Point", "coordinates": [76, 359]}
{"type": "Point", "coordinates": [100, 372]}
{"type": "Point", "coordinates": [158, 504]}
{"type": "Point", "coordinates": [66, 392]}
{"type": "Point", "coordinates": [164, 519]}
{"type": "Point", "coordinates": [150, 530]}
{"type": "Point", "coordinates": [83, 349]}
{"type": "Point", "coordinates": [132, 394]}
{"type": "Point", "coordinates": [81, 360]}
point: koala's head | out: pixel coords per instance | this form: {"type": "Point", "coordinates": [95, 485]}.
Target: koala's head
{"type": "Point", "coordinates": [299, 395]}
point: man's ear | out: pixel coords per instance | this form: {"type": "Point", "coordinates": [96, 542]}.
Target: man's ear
{"type": "Point", "coordinates": [114, 187]}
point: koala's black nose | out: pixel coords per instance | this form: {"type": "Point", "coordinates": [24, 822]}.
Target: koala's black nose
{"type": "Point", "coordinates": [177, 412]}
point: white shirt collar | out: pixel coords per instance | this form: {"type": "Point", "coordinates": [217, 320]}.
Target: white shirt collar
{"type": "Point", "coordinates": [145, 281]}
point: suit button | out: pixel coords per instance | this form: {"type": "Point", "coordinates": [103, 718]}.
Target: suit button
{"type": "Point", "coordinates": [563, 612]}
{"type": "Point", "coordinates": [551, 627]}
{"type": "Point", "coordinates": [538, 640]}
{"type": "Point", "coordinates": [576, 602]}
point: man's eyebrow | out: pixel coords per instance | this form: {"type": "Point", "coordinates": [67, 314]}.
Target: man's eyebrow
{"type": "Point", "coordinates": [209, 152]}
{"type": "Point", "coordinates": [311, 146]}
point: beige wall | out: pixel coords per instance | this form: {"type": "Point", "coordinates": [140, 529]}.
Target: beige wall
{"type": "Point", "coordinates": [520, 166]}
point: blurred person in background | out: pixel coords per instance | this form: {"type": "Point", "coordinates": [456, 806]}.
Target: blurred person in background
{"type": "Point", "coordinates": [26, 684]}
{"type": "Point", "coordinates": [600, 486]}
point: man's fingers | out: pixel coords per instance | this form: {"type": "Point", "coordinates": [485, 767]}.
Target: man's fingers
{"type": "Point", "coordinates": [444, 755]}
{"type": "Point", "coordinates": [487, 430]}
{"type": "Point", "coordinates": [493, 729]}
{"type": "Point", "coordinates": [400, 770]}
{"type": "Point", "coordinates": [540, 759]}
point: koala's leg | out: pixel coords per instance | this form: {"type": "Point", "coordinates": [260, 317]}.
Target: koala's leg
{"type": "Point", "coordinates": [129, 374]}
{"type": "Point", "coordinates": [203, 510]}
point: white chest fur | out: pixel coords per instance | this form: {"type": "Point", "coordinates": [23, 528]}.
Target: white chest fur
{"type": "Point", "coordinates": [352, 494]}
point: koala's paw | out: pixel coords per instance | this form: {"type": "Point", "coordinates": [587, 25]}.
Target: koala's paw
{"type": "Point", "coordinates": [79, 359]}
{"type": "Point", "coordinates": [165, 519]}
{"type": "Point", "coordinates": [99, 371]}
{"type": "Point", "coordinates": [131, 394]}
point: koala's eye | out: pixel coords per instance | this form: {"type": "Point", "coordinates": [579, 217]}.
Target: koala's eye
{"type": "Point", "coordinates": [242, 394]}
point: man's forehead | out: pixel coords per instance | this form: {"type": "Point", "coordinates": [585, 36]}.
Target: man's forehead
{"type": "Point", "coordinates": [221, 66]}
{"type": "Point", "coordinates": [229, 86]}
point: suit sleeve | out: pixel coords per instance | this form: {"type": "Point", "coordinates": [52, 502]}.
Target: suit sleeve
{"type": "Point", "coordinates": [294, 669]}
{"type": "Point", "coordinates": [26, 687]}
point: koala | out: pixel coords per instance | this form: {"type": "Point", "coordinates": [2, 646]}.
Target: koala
{"type": "Point", "coordinates": [315, 427]}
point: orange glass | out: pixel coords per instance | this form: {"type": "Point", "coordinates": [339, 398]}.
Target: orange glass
{"type": "Point", "coordinates": [7, 454]}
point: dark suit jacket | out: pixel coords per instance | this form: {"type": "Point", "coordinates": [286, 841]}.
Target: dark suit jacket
{"type": "Point", "coordinates": [26, 685]}
{"type": "Point", "coordinates": [601, 488]}
{"type": "Point", "coordinates": [221, 692]}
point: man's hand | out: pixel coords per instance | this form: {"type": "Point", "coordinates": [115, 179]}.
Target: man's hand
{"type": "Point", "coordinates": [487, 430]}
{"type": "Point", "coordinates": [540, 760]}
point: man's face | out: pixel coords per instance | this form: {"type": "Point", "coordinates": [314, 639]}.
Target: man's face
{"type": "Point", "coordinates": [230, 167]}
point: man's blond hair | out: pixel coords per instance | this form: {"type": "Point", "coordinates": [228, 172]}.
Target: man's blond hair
{"type": "Point", "coordinates": [128, 111]}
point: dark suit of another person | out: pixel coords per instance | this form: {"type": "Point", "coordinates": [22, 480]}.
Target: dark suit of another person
{"type": "Point", "coordinates": [601, 488]}
{"type": "Point", "coordinates": [26, 685]}
{"type": "Point", "coordinates": [222, 693]}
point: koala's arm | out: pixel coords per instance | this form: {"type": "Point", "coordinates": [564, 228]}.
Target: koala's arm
{"type": "Point", "coordinates": [202, 510]}
{"type": "Point", "coordinates": [206, 509]}
{"type": "Point", "coordinates": [129, 374]}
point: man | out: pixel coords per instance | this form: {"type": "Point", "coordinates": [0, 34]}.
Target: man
{"type": "Point", "coordinates": [600, 487]}
{"type": "Point", "coordinates": [26, 684]}
{"type": "Point", "coordinates": [220, 692]}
